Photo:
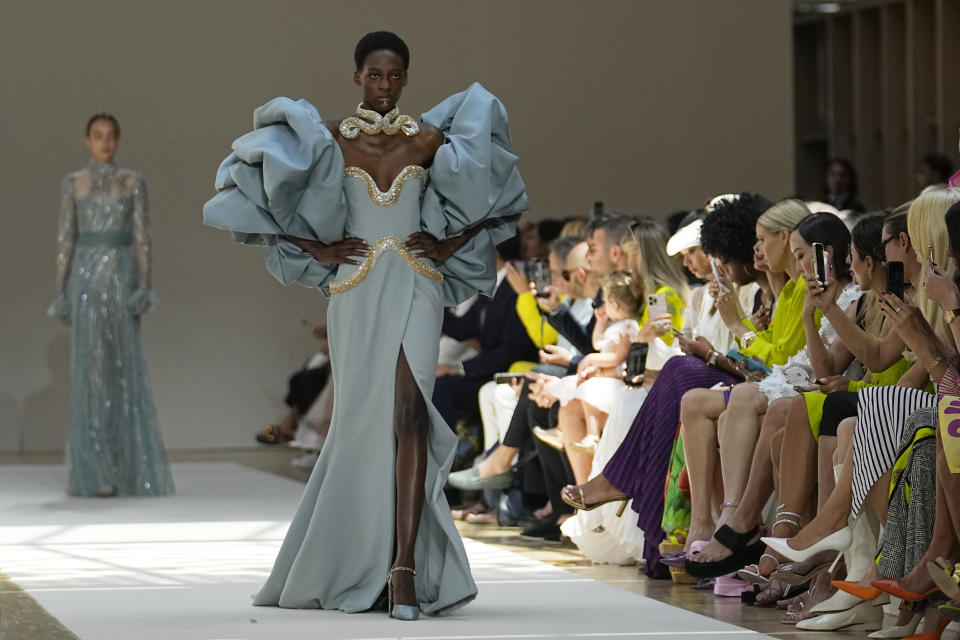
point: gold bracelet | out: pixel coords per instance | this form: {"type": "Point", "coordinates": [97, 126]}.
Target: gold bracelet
{"type": "Point", "coordinates": [934, 364]}
{"type": "Point", "coordinates": [747, 338]}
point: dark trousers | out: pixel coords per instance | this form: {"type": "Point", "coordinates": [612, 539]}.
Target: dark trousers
{"type": "Point", "coordinates": [304, 387]}
{"type": "Point", "coordinates": [455, 397]}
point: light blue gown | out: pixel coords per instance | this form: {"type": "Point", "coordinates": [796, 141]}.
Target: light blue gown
{"type": "Point", "coordinates": [288, 177]}
{"type": "Point", "coordinates": [103, 274]}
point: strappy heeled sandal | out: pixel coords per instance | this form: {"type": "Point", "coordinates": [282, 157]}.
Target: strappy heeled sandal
{"type": "Point", "coordinates": [582, 505]}
{"type": "Point", "coordinates": [743, 552]}
{"type": "Point", "coordinates": [400, 611]}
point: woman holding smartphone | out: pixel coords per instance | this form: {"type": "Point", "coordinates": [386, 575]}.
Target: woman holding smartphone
{"type": "Point", "coordinates": [755, 410]}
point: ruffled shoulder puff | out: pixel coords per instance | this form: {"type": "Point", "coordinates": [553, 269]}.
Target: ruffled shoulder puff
{"type": "Point", "coordinates": [283, 178]}
{"type": "Point", "coordinates": [474, 180]}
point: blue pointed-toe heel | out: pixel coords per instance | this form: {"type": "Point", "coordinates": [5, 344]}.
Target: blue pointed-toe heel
{"type": "Point", "coordinates": [400, 611]}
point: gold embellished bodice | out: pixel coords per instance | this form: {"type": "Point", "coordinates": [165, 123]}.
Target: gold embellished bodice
{"type": "Point", "coordinates": [385, 219]}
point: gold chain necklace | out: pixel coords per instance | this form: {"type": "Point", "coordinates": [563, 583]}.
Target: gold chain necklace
{"type": "Point", "coordinates": [372, 123]}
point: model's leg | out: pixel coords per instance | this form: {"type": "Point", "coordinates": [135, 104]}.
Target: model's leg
{"type": "Point", "coordinates": [411, 423]}
{"type": "Point", "coordinates": [699, 410]}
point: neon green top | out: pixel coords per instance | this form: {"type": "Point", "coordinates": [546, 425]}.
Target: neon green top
{"type": "Point", "coordinates": [537, 327]}
{"type": "Point", "coordinates": [785, 336]}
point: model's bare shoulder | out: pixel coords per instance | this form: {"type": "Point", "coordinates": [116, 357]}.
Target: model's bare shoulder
{"type": "Point", "coordinates": [430, 137]}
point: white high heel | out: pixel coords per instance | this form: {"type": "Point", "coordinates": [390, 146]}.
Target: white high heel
{"type": "Point", "coordinates": [901, 631]}
{"type": "Point", "coordinates": [836, 541]}
{"type": "Point", "coordinates": [858, 557]}
{"type": "Point", "coordinates": [865, 613]}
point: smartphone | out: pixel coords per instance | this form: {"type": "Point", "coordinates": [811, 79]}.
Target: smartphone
{"type": "Point", "coordinates": [820, 265]}
{"type": "Point", "coordinates": [895, 278]}
{"type": "Point", "coordinates": [716, 271]}
{"type": "Point", "coordinates": [677, 333]}
{"type": "Point", "coordinates": [538, 272]}
{"type": "Point", "coordinates": [752, 365]}
{"type": "Point", "coordinates": [799, 388]}
{"type": "Point", "coordinates": [657, 304]}
{"type": "Point", "coordinates": [506, 378]}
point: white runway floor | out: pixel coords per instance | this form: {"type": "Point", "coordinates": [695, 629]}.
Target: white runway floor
{"type": "Point", "coordinates": [184, 567]}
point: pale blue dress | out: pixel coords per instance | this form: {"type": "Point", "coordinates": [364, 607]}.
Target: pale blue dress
{"type": "Point", "coordinates": [288, 177]}
{"type": "Point", "coordinates": [103, 274]}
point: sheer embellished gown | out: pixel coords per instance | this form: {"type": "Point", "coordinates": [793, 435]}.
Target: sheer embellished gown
{"type": "Point", "coordinates": [103, 274]}
{"type": "Point", "coordinates": [287, 177]}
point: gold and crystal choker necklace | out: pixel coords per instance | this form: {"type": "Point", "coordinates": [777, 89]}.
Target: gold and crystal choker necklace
{"type": "Point", "coordinates": [372, 123]}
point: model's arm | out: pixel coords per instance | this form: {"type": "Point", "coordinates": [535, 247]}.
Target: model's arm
{"type": "Point", "coordinates": [66, 233]}
{"type": "Point", "coordinates": [342, 252]}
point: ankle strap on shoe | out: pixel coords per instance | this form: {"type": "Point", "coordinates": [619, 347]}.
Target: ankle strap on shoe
{"type": "Point", "coordinates": [395, 569]}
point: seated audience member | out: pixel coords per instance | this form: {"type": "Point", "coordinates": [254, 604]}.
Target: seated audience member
{"type": "Point", "coordinates": [638, 468]}
{"type": "Point", "coordinates": [302, 389]}
{"type": "Point", "coordinates": [734, 423]}
{"type": "Point", "coordinates": [502, 339]}
{"type": "Point", "coordinates": [882, 412]}
{"type": "Point", "coordinates": [497, 401]}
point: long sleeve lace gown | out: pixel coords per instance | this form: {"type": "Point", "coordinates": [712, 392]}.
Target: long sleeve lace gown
{"type": "Point", "coordinates": [103, 276]}
{"type": "Point", "coordinates": [287, 177]}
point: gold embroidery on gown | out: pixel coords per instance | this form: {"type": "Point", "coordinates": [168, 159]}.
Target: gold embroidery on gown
{"type": "Point", "coordinates": [389, 197]}
{"type": "Point", "coordinates": [392, 243]}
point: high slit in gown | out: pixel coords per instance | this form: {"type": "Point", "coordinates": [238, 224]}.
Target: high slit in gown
{"type": "Point", "coordinates": [287, 177]}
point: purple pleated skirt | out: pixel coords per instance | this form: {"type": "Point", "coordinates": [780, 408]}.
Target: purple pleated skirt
{"type": "Point", "coordinates": [639, 467]}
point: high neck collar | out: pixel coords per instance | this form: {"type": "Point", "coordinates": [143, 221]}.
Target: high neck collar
{"type": "Point", "coordinates": [101, 168]}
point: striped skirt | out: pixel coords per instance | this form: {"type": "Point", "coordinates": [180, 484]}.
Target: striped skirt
{"type": "Point", "coordinates": [882, 414]}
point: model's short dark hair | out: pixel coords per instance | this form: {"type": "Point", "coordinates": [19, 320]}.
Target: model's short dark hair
{"type": "Point", "coordinates": [729, 231]}
{"type": "Point", "coordinates": [103, 116]}
{"type": "Point", "coordinates": [939, 164]}
{"type": "Point", "coordinates": [378, 41]}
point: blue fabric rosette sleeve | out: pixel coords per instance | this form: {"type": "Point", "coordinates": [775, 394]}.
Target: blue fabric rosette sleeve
{"type": "Point", "coordinates": [473, 181]}
{"type": "Point", "coordinates": [283, 178]}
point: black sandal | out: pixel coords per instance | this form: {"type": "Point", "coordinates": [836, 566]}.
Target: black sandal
{"type": "Point", "coordinates": [743, 553]}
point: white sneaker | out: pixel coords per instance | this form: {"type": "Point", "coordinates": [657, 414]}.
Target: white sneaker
{"type": "Point", "coordinates": [306, 461]}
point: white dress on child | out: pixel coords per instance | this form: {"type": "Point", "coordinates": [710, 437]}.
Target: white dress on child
{"type": "Point", "coordinates": [599, 391]}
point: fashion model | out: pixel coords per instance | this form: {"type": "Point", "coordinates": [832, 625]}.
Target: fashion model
{"type": "Point", "coordinates": [103, 276]}
{"type": "Point", "coordinates": [395, 219]}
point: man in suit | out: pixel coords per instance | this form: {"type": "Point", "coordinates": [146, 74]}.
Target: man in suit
{"type": "Point", "coordinates": [493, 323]}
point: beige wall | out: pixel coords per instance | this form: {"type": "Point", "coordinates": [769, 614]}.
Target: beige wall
{"type": "Point", "coordinates": [648, 105]}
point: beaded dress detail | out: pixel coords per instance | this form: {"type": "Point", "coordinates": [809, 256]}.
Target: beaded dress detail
{"type": "Point", "coordinates": [103, 276]}
{"type": "Point", "coordinates": [288, 178]}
